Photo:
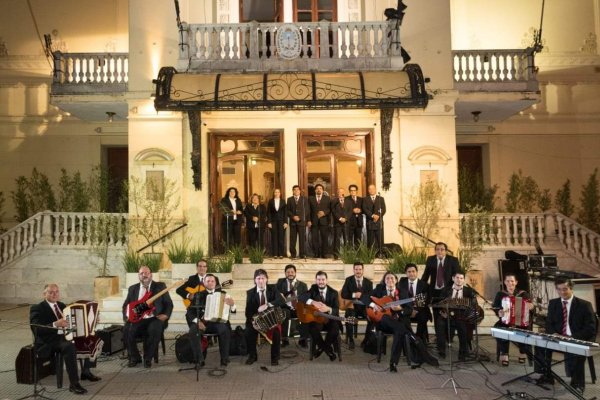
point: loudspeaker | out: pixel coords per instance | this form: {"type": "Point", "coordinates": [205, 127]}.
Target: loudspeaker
{"type": "Point", "coordinates": [517, 268]}
{"type": "Point", "coordinates": [113, 339]}
{"type": "Point", "coordinates": [24, 366]}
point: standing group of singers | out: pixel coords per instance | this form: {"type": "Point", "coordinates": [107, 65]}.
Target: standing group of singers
{"type": "Point", "coordinates": [343, 214]}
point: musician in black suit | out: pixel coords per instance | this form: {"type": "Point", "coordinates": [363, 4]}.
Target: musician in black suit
{"type": "Point", "coordinates": [258, 299]}
{"type": "Point", "coordinates": [397, 323]}
{"type": "Point", "coordinates": [580, 323]}
{"type": "Point", "coordinates": [464, 294]}
{"type": "Point", "coordinates": [256, 217]}
{"type": "Point", "coordinates": [439, 270]}
{"type": "Point", "coordinates": [341, 210]}
{"type": "Point", "coordinates": [199, 326]}
{"type": "Point", "coordinates": [298, 212]}
{"type": "Point", "coordinates": [325, 299]}
{"type": "Point", "coordinates": [290, 286]}
{"type": "Point", "coordinates": [320, 212]}
{"type": "Point", "coordinates": [48, 341]}
{"type": "Point", "coordinates": [232, 209]}
{"type": "Point", "coordinates": [153, 324]}
{"type": "Point", "coordinates": [355, 223]}
{"type": "Point", "coordinates": [354, 288]}
{"type": "Point", "coordinates": [277, 223]}
{"type": "Point", "coordinates": [191, 285]}
{"type": "Point", "coordinates": [411, 286]}
{"type": "Point", "coordinates": [374, 209]}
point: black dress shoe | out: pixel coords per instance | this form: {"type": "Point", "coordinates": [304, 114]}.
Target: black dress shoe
{"type": "Point", "coordinates": [442, 354]}
{"type": "Point", "coordinates": [251, 360]}
{"type": "Point", "coordinates": [77, 389]}
{"type": "Point", "coordinates": [317, 353]}
{"type": "Point", "coordinates": [285, 343]}
{"type": "Point", "coordinates": [351, 345]}
{"type": "Point", "coordinates": [275, 362]}
{"type": "Point", "coordinates": [393, 368]}
{"type": "Point", "coordinates": [88, 376]}
{"type": "Point", "coordinates": [331, 355]}
{"type": "Point", "coordinates": [133, 363]}
{"type": "Point", "coordinates": [147, 363]}
{"type": "Point", "coordinates": [224, 363]}
{"type": "Point", "coordinates": [545, 380]}
{"type": "Point", "coordinates": [577, 388]}
{"type": "Point", "coordinates": [302, 343]}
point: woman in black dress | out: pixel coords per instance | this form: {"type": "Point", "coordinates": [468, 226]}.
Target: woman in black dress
{"type": "Point", "coordinates": [277, 224]}
{"type": "Point", "coordinates": [231, 207]}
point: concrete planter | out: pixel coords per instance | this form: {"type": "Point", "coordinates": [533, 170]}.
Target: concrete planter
{"type": "Point", "coordinates": [105, 286]}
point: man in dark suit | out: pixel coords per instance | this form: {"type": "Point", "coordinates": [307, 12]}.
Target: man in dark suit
{"type": "Point", "coordinates": [190, 287]}
{"type": "Point", "coordinates": [256, 217]}
{"type": "Point", "coordinates": [374, 209]}
{"type": "Point", "coordinates": [290, 286]}
{"type": "Point", "coordinates": [411, 286]}
{"type": "Point", "coordinates": [355, 223]}
{"type": "Point", "coordinates": [258, 299]}
{"type": "Point", "coordinates": [198, 325]}
{"type": "Point", "coordinates": [153, 324]}
{"type": "Point", "coordinates": [298, 211]}
{"type": "Point", "coordinates": [354, 288]}
{"type": "Point", "coordinates": [567, 316]}
{"type": "Point", "coordinates": [439, 270]}
{"type": "Point", "coordinates": [457, 290]}
{"type": "Point", "coordinates": [47, 341]}
{"type": "Point", "coordinates": [277, 223]}
{"type": "Point", "coordinates": [341, 210]}
{"type": "Point", "coordinates": [320, 211]}
{"type": "Point", "coordinates": [325, 299]}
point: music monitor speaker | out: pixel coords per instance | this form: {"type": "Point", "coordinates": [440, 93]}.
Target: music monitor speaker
{"type": "Point", "coordinates": [24, 366]}
{"type": "Point", "coordinates": [517, 268]}
{"type": "Point", "coordinates": [113, 339]}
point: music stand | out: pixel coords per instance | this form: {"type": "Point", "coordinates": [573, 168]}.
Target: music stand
{"type": "Point", "coordinates": [197, 366]}
{"type": "Point", "coordinates": [38, 394]}
{"type": "Point", "coordinates": [477, 357]}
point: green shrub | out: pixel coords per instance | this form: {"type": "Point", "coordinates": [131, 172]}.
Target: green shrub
{"type": "Point", "coordinates": [195, 254]}
{"type": "Point", "coordinates": [256, 254]}
{"type": "Point", "coordinates": [348, 253]}
{"type": "Point", "coordinates": [562, 200]}
{"type": "Point", "coordinates": [177, 252]}
{"type": "Point", "coordinates": [589, 213]}
{"type": "Point", "coordinates": [132, 261]}
{"type": "Point", "coordinates": [237, 253]}
{"type": "Point", "coordinates": [220, 264]}
{"type": "Point", "coordinates": [152, 260]}
{"type": "Point", "coordinates": [397, 260]}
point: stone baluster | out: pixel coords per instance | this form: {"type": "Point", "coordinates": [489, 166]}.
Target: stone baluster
{"type": "Point", "coordinates": [595, 250]}
{"type": "Point", "coordinates": [227, 42]}
{"type": "Point", "coordinates": [16, 235]}
{"type": "Point", "coordinates": [576, 241]}
{"type": "Point", "coordinates": [531, 237]}
{"type": "Point", "coordinates": [584, 245]}
{"type": "Point", "coordinates": [11, 245]}
{"type": "Point", "coordinates": [25, 236]}
{"type": "Point", "coordinates": [568, 240]}
{"type": "Point", "coordinates": [198, 47]}
{"type": "Point", "coordinates": [344, 45]}
{"type": "Point", "coordinates": [88, 229]}
{"type": "Point", "coordinates": [3, 250]}
{"type": "Point", "coordinates": [353, 39]}
{"type": "Point", "coordinates": [323, 28]}
{"type": "Point", "coordinates": [335, 37]}
{"type": "Point", "coordinates": [235, 48]}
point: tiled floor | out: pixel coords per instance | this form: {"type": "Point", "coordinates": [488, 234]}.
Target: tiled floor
{"type": "Point", "coordinates": [358, 377]}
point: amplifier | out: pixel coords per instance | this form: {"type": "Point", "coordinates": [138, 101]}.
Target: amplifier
{"type": "Point", "coordinates": [543, 262]}
{"type": "Point", "coordinates": [24, 366]}
{"type": "Point", "coordinates": [113, 339]}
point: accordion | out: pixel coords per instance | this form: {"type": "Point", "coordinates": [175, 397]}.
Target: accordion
{"type": "Point", "coordinates": [215, 309]}
{"type": "Point", "coordinates": [516, 311]}
{"type": "Point", "coordinates": [82, 317]}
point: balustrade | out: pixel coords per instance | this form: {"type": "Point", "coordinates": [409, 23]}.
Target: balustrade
{"type": "Point", "coordinates": [493, 65]}
{"type": "Point", "coordinates": [103, 71]}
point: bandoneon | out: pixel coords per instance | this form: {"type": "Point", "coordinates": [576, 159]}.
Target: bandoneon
{"type": "Point", "coordinates": [215, 309]}
{"type": "Point", "coordinates": [516, 311]}
{"type": "Point", "coordinates": [82, 317]}
{"type": "Point", "coordinates": [268, 319]}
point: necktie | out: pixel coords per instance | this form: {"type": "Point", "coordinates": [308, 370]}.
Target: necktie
{"type": "Point", "coordinates": [565, 318]}
{"type": "Point", "coordinates": [391, 293]}
{"type": "Point", "coordinates": [57, 311]}
{"type": "Point", "coordinates": [291, 288]}
{"type": "Point", "coordinates": [322, 295]}
{"type": "Point", "coordinates": [296, 200]}
{"type": "Point", "coordinates": [439, 278]}
{"type": "Point", "coordinates": [411, 292]}
{"type": "Point", "coordinates": [144, 291]}
{"type": "Point", "coordinates": [318, 200]}
{"type": "Point", "coordinates": [455, 294]}
{"type": "Point", "coordinates": [354, 199]}
{"type": "Point", "coordinates": [359, 285]}
{"type": "Point", "coordinates": [263, 301]}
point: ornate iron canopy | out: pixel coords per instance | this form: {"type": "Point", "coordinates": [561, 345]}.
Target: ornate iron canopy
{"type": "Point", "coordinates": [290, 90]}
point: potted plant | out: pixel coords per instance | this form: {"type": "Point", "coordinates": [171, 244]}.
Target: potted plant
{"type": "Point", "coordinates": [472, 234]}
{"type": "Point", "coordinates": [103, 233]}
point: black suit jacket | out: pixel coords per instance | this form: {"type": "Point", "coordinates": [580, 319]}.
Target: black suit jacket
{"type": "Point", "coordinates": [350, 287]}
{"type": "Point", "coordinates": [282, 287]}
{"type": "Point", "coordinates": [163, 305]}
{"type": "Point", "coordinates": [338, 211]}
{"type": "Point", "coordinates": [381, 291]}
{"type": "Point", "coordinates": [451, 266]}
{"type": "Point", "coordinates": [302, 210]}
{"type": "Point", "coordinates": [274, 215]}
{"type": "Point", "coordinates": [45, 339]}
{"type": "Point", "coordinates": [331, 298]}
{"type": "Point", "coordinates": [371, 208]}
{"type": "Point", "coordinates": [192, 282]}
{"type": "Point", "coordinates": [196, 309]}
{"type": "Point", "coordinates": [260, 212]}
{"type": "Point", "coordinates": [582, 320]}
{"type": "Point", "coordinates": [468, 293]}
{"type": "Point", "coordinates": [226, 209]}
{"type": "Point", "coordinates": [421, 288]}
{"type": "Point", "coordinates": [357, 218]}
{"type": "Point", "coordinates": [253, 300]}
{"type": "Point", "coordinates": [324, 205]}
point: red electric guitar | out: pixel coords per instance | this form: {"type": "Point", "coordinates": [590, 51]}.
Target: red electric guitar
{"type": "Point", "coordinates": [138, 309]}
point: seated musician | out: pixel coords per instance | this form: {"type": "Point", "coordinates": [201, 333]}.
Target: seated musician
{"type": "Point", "coordinates": [397, 323]}
{"type": "Point", "coordinates": [194, 282]}
{"type": "Point", "coordinates": [572, 317]}
{"type": "Point", "coordinates": [325, 299]}
{"type": "Point", "coordinates": [463, 295]}
{"type": "Point", "coordinates": [153, 323]}
{"type": "Point", "coordinates": [502, 346]}
{"type": "Point", "coordinates": [198, 326]}
{"type": "Point", "coordinates": [258, 299]}
{"type": "Point", "coordinates": [290, 287]}
{"type": "Point", "coordinates": [353, 289]}
{"type": "Point", "coordinates": [47, 341]}
{"type": "Point", "coordinates": [411, 286]}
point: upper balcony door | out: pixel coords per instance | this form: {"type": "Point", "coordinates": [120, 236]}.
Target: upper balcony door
{"type": "Point", "coordinates": [261, 10]}
{"type": "Point", "coordinates": [316, 11]}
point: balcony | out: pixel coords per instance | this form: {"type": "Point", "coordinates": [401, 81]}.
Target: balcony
{"type": "Point", "coordinates": [322, 46]}
{"type": "Point", "coordinates": [98, 81]}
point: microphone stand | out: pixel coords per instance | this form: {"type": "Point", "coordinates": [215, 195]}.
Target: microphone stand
{"type": "Point", "coordinates": [197, 367]}
{"type": "Point", "coordinates": [380, 232]}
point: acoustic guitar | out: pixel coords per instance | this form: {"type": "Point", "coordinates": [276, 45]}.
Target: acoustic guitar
{"type": "Point", "coordinates": [200, 288]}
{"type": "Point", "coordinates": [138, 309]}
{"type": "Point", "coordinates": [309, 313]}
{"type": "Point", "coordinates": [387, 303]}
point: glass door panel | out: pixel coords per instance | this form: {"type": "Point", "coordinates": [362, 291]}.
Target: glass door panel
{"type": "Point", "coordinates": [318, 170]}
{"type": "Point", "coordinates": [349, 171]}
